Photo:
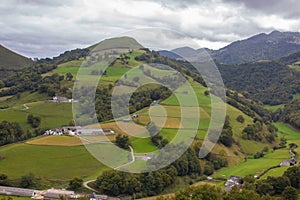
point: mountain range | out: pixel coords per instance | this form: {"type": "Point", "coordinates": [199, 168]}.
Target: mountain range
{"type": "Point", "coordinates": [259, 47]}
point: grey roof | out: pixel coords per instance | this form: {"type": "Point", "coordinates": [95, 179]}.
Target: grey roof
{"type": "Point", "coordinates": [56, 193]}
{"type": "Point", "coordinates": [91, 131]}
{"type": "Point", "coordinates": [104, 197]}
{"type": "Point", "coordinates": [16, 191]}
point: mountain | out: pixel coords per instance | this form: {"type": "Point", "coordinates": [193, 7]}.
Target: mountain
{"type": "Point", "coordinates": [188, 53]}
{"type": "Point", "coordinates": [12, 61]}
{"type": "Point", "coordinates": [259, 47]}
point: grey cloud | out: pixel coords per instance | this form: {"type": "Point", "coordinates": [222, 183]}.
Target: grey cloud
{"type": "Point", "coordinates": [287, 8]}
{"type": "Point", "coordinates": [46, 28]}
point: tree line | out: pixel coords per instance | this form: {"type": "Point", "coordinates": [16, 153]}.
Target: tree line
{"type": "Point", "coordinates": [282, 187]}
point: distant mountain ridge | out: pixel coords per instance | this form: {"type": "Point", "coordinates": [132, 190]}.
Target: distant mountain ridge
{"type": "Point", "coordinates": [259, 47]}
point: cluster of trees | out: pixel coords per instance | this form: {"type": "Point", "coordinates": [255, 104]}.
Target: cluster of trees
{"type": "Point", "coordinates": [122, 141]}
{"type": "Point", "coordinates": [30, 79]}
{"type": "Point", "coordinates": [155, 136]}
{"type": "Point", "coordinates": [261, 154]}
{"type": "Point", "coordinates": [34, 121]}
{"type": "Point", "coordinates": [214, 162]}
{"type": "Point", "coordinates": [289, 114]}
{"type": "Point", "coordinates": [75, 184]}
{"type": "Point", "coordinates": [251, 108]}
{"type": "Point", "coordinates": [11, 132]}
{"type": "Point", "coordinates": [26, 181]}
{"type": "Point", "coordinates": [151, 183]}
{"type": "Point", "coordinates": [67, 56]}
{"type": "Point", "coordinates": [283, 187]}
{"type": "Point", "coordinates": [258, 132]}
{"type": "Point", "coordinates": [141, 98]}
{"type": "Point", "coordinates": [174, 81]}
{"type": "Point", "coordinates": [226, 135]}
{"type": "Point", "coordinates": [185, 68]}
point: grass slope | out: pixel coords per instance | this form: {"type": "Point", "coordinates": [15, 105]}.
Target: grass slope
{"type": "Point", "coordinates": [48, 162]}
{"type": "Point", "coordinates": [12, 61]}
{"type": "Point", "coordinates": [53, 115]}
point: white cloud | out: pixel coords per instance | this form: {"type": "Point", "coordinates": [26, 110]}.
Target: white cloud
{"type": "Point", "coordinates": [46, 28]}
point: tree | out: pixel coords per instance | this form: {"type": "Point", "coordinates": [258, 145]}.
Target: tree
{"type": "Point", "coordinates": [69, 76]}
{"type": "Point", "coordinates": [1, 84]}
{"type": "Point", "coordinates": [226, 135]}
{"type": "Point", "coordinates": [279, 183]}
{"type": "Point", "coordinates": [34, 121]}
{"type": "Point", "coordinates": [3, 179]}
{"type": "Point", "coordinates": [208, 169]}
{"type": "Point", "coordinates": [290, 193]}
{"type": "Point", "coordinates": [244, 194]}
{"type": "Point", "coordinates": [122, 141]}
{"type": "Point", "coordinates": [27, 181]}
{"type": "Point", "coordinates": [240, 119]}
{"type": "Point", "coordinates": [263, 188]}
{"type": "Point", "coordinates": [75, 184]}
{"type": "Point", "coordinates": [293, 175]}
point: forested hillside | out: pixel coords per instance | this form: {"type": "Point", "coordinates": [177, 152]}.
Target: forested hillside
{"type": "Point", "coordinates": [269, 82]}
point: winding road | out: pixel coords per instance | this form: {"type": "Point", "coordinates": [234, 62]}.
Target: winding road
{"type": "Point", "coordinates": [132, 161]}
{"type": "Point", "coordinates": [85, 184]}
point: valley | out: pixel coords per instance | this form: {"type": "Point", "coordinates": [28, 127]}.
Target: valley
{"type": "Point", "coordinates": [255, 137]}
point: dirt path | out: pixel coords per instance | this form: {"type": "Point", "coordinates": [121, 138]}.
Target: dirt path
{"type": "Point", "coordinates": [85, 184]}
{"type": "Point", "coordinates": [132, 161]}
{"type": "Point", "coordinates": [25, 106]}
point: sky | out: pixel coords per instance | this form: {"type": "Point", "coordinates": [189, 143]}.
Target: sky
{"type": "Point", "coordinates": [46, 28]}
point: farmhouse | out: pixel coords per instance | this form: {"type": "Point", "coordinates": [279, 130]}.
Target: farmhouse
{"type": "Point", "coordinates": [78, 130]}
{"type": "Point", "coordinates": [59, 99]}
{"type": "Point", "coordinates": [37, 194]}
{"type": "Point", "coordinates": [18, 191]}
{"type": "Point", "coordinates": [51, 132]}
{"type": "Point", "coordinates": [233, 181]}
{"type": "Point", "coordinates": [58, 193]}
{"type": "Point", "coordinates": [97, 131]}
{"type": "Point", "coordinates": [288, 162]}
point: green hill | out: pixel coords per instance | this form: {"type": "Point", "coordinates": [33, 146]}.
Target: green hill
{"type": "Point", "coordinates": [116, 43]}
{"type": "Point", "coordinates": [10, 60]}
{"type": "Point", "coordinates": [54, 115]}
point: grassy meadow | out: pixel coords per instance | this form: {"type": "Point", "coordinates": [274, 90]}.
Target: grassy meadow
{"type": "Point", "coordinates": [51, 163]}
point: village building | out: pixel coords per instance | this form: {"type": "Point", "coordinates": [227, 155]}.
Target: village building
{"type": "Point", "coordinates": [58, 193]}
{"type": "Point", "coordinates": [289, 162]}
{"type": "Point", "coordinates": [18, 191]}
{"type": "Point", "coordinates": [233, 181]}
{"type": "Point", "coordinates": [78, 130]}
{"type": "Point", "coordinates": [98, 131]}
{"type": "Point", "coordinates": [102, 197]}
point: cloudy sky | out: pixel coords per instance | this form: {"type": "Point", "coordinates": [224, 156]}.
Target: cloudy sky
{"type": "Point", "coordinates": [45, 28]}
